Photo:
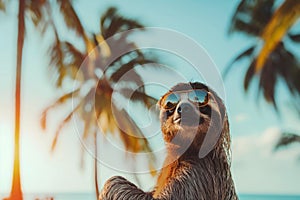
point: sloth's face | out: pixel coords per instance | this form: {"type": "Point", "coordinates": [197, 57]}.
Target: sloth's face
{"type": "Point", "coordinates": [186, 113]}
{"type": "Point", "coordinates": [183, 107]}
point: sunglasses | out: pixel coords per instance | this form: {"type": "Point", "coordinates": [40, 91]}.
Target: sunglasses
{"type": "Point", "coordinates": [198, 96]}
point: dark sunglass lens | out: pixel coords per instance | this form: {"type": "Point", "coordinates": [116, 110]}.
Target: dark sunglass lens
{"type": "Point", "coordinates": [171, 101]}
{"type": "Point", "coordinates": [198, 96]}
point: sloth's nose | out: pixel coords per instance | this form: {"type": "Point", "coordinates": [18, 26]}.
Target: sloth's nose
{"type": "Point", "coordinates": [184, 108]}
{"type": "Point", "coordinates": [186, 114]}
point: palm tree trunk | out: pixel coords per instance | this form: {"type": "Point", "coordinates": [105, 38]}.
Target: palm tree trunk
{"type": "Point", "coordinates": [96, 167]}
{"type": "Point", "coordinates": [16, 189]}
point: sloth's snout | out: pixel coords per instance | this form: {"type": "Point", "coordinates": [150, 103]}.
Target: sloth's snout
{"type": "Point", "coordinates": [186, 114]}
{"type": "Point", "coordinates": [184, 108]}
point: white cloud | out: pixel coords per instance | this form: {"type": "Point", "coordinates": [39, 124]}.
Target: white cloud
{"type": "Point", "coordinates": [257, 168]}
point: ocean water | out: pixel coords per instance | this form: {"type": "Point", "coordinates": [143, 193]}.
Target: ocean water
{"type": "Point", "coordinates": [90, 196]}
{"type": "Point", "coordinates": [268, 197]}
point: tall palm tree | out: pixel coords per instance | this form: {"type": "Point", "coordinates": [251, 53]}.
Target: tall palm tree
{"type": "Point", "coordinates": [38, 11]}
{"type": "Point", "coordinates": [67, 59]}
{"type": "Point", "coordinates": [16, 190]}
{"type": "Point", "coordinates": [33, 8]}
{"type": "Point", "coordinates": [270, 25]}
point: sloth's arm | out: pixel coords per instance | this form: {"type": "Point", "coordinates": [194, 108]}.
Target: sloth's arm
{"type": "Point", "coordinates": [182, 186]}
{"type": "Point", "coordinates": [118, 188]}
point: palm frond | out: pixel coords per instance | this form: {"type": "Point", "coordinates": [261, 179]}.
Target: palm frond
{"type": "Point", "coordinates": [70, 16]}
{"type": "Point", "coordinates": [86, 113]}
{"type": "Point", "coordinates": [281, 63]}
{"type": "Point", "coordinates": [294, 37]}
{"type": "Point", "coordinates": [62, 124]}
{"type": "Point", "coordinates": [111, 23]}
{"type": "Point", "coordinates": [289, 69]}
{"type": "Point", "coordinates": [73, 22]}
{"type": "Point", "coordinates": [126, 67]}
{"type": "Point", "coordinates": [37, 12]}
{"type": "Point", "coordinates": [247, 53]}
{"type": "Point", "coordinates": [103, 107]}
{"type": "Point", "coordinates": [2, 5]}
{"type": "Point", "coordinates": [105, 19]}
{"type": "Point", "coordinates": [282, 20]}
{"type": "Point", "coordinates": [287, 139]}
{"type": "Point", "coordinates": [58, 131]}
{"type": "Point", "coordinates": [66, 59]}
{"type": "Point", "coordinates": [249, 75]}
{"type": "Point", "coordinates": [89, 122]}
{"type": "Point", "coordinates": [131, 135]}
{"type": "Point", "coordinates": [131, 77]}
{"type": "Point", "coordinates": [104, 48]}
{"type": "Point", "coordinates": [76, 55]}
{"type": "Point", "coordinates": [72, 59]}
{"type": "Point", "coordinates": [251, 16]}
{"type": "Point", "coordinates": [56, 59]}
{"type": "Point", "coordinates": [138, 95]}
{"type": "Point", "coordinates": [244, 27]}
{"type": "Point", "coordinates": [267, 82]}
{"type": "Point", "coordinates": [58, 102]}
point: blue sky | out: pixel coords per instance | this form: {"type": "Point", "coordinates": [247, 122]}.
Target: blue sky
{"type": "Point", "coordinates": [254, 124]}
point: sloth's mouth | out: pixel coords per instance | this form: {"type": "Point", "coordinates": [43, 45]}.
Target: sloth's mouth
{"type": "Point", "coordinates": [177, 120]}
{"type": "Point", "coordinates": [187, 121]}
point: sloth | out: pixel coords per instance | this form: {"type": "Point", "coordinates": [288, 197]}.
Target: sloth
{"type": "Point", "coordinates": [195, 129]}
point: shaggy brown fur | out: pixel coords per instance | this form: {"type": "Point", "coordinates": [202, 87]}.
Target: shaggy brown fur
{"type": "Point", "coordinates": [198, 159]}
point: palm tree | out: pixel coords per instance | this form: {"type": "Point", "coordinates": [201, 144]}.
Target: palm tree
{"type": "Point", "coordinates": [33, 8]}
{"type": "Point", "coordinates": [39, 15]}
{"type": "Point", "coordinates": [67, 59]}
{"type": "Point", "coordinates": [270, 26]}
{"type": "Point", "coordinates": [16, 189]}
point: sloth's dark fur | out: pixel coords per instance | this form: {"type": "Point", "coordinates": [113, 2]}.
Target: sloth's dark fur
{"type": "Point", "coordinates": [199, 171]}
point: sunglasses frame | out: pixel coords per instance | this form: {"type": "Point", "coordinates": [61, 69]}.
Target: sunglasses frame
{"type": "Point", "coordinates": [163, 104]}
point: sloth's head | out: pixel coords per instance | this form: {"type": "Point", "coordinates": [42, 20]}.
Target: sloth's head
{"type": "Point", "coordinates": [193, 118]}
